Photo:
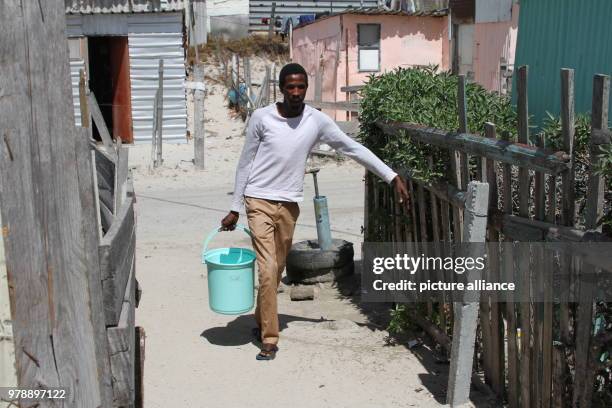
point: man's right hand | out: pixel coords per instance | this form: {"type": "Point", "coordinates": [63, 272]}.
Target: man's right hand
{"type": "Point", "coordinates": [228, 223]}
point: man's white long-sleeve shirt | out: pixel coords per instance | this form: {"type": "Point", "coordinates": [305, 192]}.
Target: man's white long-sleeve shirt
{"type": "Point", "coordinates": [273, 159]}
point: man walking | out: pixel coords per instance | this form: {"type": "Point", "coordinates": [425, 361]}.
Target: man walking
{"type": "Point", "coordinates": [270, 179]}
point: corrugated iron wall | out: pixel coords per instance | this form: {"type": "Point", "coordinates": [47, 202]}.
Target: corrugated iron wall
{"type": "Point", "coordinates": [259, 9]}
{"type": "Point", "coordinates": [555, 34]}
{"type": "Point", "coordinates": [149, 41]}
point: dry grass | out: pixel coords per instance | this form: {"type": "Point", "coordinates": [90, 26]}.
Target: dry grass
{"type": "Point", "coordinates": [260, 45]}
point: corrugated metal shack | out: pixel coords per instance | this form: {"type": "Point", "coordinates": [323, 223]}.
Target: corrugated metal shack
{"type": "Point", "coordinates": [555, 34]}
{"type": "Point", "coordinates": [119, 44]}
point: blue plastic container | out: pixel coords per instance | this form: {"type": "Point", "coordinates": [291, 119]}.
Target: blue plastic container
{"type": "Point", "coordinates": [231, 277]}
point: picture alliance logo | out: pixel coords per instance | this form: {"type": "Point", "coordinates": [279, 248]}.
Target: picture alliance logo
{"type": "Point", "coordinates": [411, 264]}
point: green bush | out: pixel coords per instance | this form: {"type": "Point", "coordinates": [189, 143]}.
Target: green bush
{"type": "Point", "coordinates": [427, 97]}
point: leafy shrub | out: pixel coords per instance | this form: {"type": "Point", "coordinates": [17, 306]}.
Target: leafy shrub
{"type": "Point", "coordinates": [427, 97]}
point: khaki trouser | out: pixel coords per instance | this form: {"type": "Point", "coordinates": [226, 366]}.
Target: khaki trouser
{"type": "Point", "coordinates": [272, 224]}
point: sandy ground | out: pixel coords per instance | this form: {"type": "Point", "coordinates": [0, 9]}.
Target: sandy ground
{"type": "Point", "coordinates": [333, 351]}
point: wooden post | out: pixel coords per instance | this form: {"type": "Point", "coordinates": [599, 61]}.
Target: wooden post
{"type": "Point", "coordinates": [497, 353]}
{"type": "Point", "coordinates": [585, 360]}
{"type": "Point", "coordinates": [247, 79]}
{"type": "Point", "coordinates": [510, 276]}
{"type": "Point", "coordinates": [56, 314]}
{"type": "Point", "coordinates": [567, 126]}
{"type": "Point", "coordinates": [540, 375]}
{"type": "Point", "coordinates": [271, 22]}
{"type": "Point", "coordinates": [234, 82]}
{"type": "Point", "coordinates": [160, 113]}
{"type": "Point", "coordinates": [198, 117]}
{"type": "Point", "coordinates": [568, 213]}
{"type": "Point", "coordinates": [599, 121]}
{"type": "Point", "coordinates": [466, 313]}
{"type": "Point", "coordinates": [154, 133]}
{"type": "Point", "coordinates": [83, 90]}
{"type": "Point", "coordinates": [463, 128]}
{"type": "Point", "coordinates": [523, 256]}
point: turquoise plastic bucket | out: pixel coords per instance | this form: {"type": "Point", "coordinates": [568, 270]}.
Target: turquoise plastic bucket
{"type": "Point", "coordinates": [231, 277]}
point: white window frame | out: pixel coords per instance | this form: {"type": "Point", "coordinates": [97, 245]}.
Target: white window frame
{"type": "Point", "coordinates": [361, 47]}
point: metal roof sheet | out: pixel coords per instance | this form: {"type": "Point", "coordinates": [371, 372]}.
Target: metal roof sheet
{"type": "Point", "coordinates": [375, 11]}
{"type": "Point", "coordinates": [122, 6]}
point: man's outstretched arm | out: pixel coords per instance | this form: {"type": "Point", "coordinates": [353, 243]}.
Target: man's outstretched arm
{"type": "Point", "coordinates": [251, 144]}
{"type": "Point", "coordinates": [331, 134]}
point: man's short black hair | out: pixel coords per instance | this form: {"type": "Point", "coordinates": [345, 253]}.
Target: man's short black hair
{"type": "Point", "coordinates": [291, 69]}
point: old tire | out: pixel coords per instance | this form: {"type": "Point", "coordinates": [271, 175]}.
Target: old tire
{"type": "Point", "coordinates": [306, 263]}
{"type": "Point", "coordinates": [310, 277]}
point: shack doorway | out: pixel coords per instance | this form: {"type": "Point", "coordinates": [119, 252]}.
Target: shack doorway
{"type": "Point", "coordinates": [109, 80]}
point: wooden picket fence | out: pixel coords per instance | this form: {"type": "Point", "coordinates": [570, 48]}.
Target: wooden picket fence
{"type": "Point", "coordinates": [525, 348]}
{"type": "Point", "coordinates": [116, 228]}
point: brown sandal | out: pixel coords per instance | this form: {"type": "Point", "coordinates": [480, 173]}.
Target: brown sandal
{"type": "Point", "coordinates": [267, 354]}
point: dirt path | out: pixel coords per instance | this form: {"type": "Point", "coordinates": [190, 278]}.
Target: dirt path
{"type": "Point", "coordinates": [331, 354]}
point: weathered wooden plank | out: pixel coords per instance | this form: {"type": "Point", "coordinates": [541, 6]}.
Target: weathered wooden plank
{"type": "Point", "coordinates": [139, 363]}
{"type": "Point", "coordinates": [352, 88]}
{"type": "Point", "coordinates": [584, 374]}
{"type": "Point", "coordinates": [41, 208]}
{"type": "Point", "coordinates": [568, 211]}
{"type": "Point", "coordinates": [538, 369]}
{"type": "Point", "coordinates": [89, 199]}
{"type": "Point", "coordinates": [559, 377]}
{"type": "Point", "coordinates": [159, 115]}
{"type": "Point", "coordinates": [520, 154]}
{"type": "Point", "coordinates": [497, 323]}
{"type": "Point", "coordinates": [116, 253]}
{"type": "Point", "coordinates": [443, 191]}
{"type": "Point", "coordinates": [567, 129]}
{"type": "Point", "coordinates": [463, 128]}
{"type": "Point", "coordinates": [413, 197]}
{"type": "Point", "coordinates": [523, 256]}
{"type": "Point", "coordinates": [599, 120]}
{"type": "Point", "coordinates": [120, 181]}
{"type": "Point", "coordinates": [98, 120]}
{"type": "Point", "coordinates": [466, 313]}
{"type": "Point", "coordinates": [122, 345]}
{"type": "Point", "coordinates": [509, 275]}
{"type": "Point", "coordinates": [199, 136]}
{"type": "Point", "coordinates": [455, 180]}
{"type": "Point", "coordinates": [154, 134]}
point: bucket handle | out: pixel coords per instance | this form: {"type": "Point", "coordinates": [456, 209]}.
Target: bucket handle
{"type": "Point", "coordinates": [215, 231]}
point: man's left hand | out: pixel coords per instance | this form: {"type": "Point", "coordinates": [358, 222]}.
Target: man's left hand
{"type": "Point", "coordinates": [399, 185]}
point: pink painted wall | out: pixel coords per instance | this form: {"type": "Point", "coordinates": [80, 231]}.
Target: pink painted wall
{"type": "Point", "coordinates": [493, 41]}
{"type": "Point", "coordinates": [405, 41]}
{"type": "Point", "coordinates": [318, 45]}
